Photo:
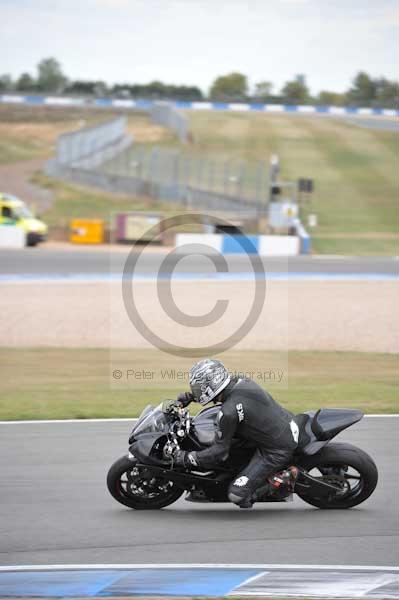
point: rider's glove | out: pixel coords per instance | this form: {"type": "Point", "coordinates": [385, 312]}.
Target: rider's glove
{"type": "Point", "coordinates": [185, 459]}
{"type": "Point", "coordinates": [184, 399]}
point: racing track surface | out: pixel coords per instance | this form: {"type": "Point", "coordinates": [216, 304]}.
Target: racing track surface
{"type": "Point", "coordinates": [379, 124]}
{"type": "Point", "coordinates": [56, 262]}
{"type": "Point", "coordinates": [55, 508]}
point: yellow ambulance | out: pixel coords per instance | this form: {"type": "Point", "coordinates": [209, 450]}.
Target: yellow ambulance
{"type": "Point", "coordinates": [15, 212]}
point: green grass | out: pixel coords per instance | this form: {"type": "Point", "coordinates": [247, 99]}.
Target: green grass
{"type": "Point", "coordinates": [28, 132]}
{"type": "Point", "coordinates": [46, 383]}
{"type": "Point", "coordinates": [77, 202]}
{"type": "Point", "coordinates": [355, 171]}
{"type": "Point", "coordinates": [31, 132]}
{"type": "Point", "coordinates": [359, 246]}
{"type": "Point", "coordinates": [13, 150]}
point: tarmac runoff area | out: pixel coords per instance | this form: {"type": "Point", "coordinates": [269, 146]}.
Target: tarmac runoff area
{"type": "Point", "coordinates": [56, 510]}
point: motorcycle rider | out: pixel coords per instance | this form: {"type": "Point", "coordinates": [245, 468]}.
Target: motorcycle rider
{"type": "Point", "coordinates": [247, 412]}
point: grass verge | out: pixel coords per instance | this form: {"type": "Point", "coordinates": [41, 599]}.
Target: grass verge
{"type": "Point", "coordinates": [28, 132]}
{"type": "Point", "coordinates": [354, 169]}
{"type": "Point", "coordinates": [367, 245]}
{"type": "Point", "coordinates": [46, 383]}
{"type": "Point", "coordinates": [78, 202]}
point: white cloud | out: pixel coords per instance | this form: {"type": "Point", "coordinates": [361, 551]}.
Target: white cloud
{"type": "Point", "coordinates": [112, 3]}
{"type": "Point", "coordinates": [193, 41]}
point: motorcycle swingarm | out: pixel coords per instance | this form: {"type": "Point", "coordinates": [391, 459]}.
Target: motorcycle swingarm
{"type": "Point", "coordinates": [314, 486]}
{"type": "Point", "coordinates": [183, 480]}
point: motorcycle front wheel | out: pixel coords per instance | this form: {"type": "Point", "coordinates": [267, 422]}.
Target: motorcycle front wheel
{"type": "Point", "coordinates": [136, 488]}
{"type": "Point", "coordinates": [350, 469]}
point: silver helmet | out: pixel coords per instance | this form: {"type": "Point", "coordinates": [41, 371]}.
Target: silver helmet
{"type": "Point", "coordinates": [208, 378]}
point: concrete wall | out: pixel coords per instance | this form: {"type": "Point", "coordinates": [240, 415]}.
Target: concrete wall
{"type": "Point", "coordinates": [266, 245]}
{"type": "Point", "coordinates": [143, 104]}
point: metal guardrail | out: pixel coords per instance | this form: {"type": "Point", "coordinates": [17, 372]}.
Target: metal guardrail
{"type": "Point", "coordinates": [85, 144]}
{"type": "Point", "coordinates": [166, 114]}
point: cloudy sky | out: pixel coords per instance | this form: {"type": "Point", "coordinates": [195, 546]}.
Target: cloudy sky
{"type": "Point", "coordinates": [193, 41]}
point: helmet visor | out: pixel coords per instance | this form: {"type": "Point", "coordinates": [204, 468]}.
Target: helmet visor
{"type": "Point", "coordinates": [206, 393]}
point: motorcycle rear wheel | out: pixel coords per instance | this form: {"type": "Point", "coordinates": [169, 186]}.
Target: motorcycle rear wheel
{"type": "Point", "coordinates": [346, 465]}
{"type": "Point", "coordinates": [122, 486]}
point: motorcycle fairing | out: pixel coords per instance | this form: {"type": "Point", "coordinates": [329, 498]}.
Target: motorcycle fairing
{"type": "Point", "coordinates": [152, 419]}
{"type": "Point", "coordinates": [145, 447]}
{"type": "Point", "coordinates": [205, 425]}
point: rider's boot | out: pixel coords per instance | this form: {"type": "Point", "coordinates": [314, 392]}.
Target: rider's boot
{"type": "Point", "coordinates": [246, 504]}
{"type": "Point", "coordinates": [285, 478]}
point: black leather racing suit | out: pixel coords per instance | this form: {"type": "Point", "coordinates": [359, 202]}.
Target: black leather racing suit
{"type": "Point", "coordinates": [250, 413]}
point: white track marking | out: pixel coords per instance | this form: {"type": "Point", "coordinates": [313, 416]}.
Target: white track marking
{"type": "Point", "coordinates": [384, 580]}
{"type": "Point", "coordinates": [251, 580]}
{"type": "Point", "coordinates": [381, 415]}
{"type": "Point", "coordinates": [267, 567]}
{"type": "Point", "coordinates": [354, 586]}
{"type": "Point", "coordinates": [56, 421]}
{"type": "Point", "coordinates": [349, 581]}
{"type": "Point", "coordinates": [133, 419]}
{"type": "Point", "coordinates": [332, 257]}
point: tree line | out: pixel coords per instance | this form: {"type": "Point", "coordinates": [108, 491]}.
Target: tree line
{"type": "Point", "coordinates": [365, 90]}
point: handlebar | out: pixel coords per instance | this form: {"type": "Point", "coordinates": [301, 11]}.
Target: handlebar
{"type": "Point", "coordinates": [181, 419]}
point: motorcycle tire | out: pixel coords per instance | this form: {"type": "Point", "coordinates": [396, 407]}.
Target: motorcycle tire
{"type": "Point", "coordinates": [117, 491]}
{"type": "Point", "coordinates": [342, 456]}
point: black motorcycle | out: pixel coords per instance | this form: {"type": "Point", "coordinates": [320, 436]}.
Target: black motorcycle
{"type": "Point", "coordinates": [327, 475]}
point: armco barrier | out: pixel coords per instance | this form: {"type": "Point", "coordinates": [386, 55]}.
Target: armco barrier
{"type": "Point", "coordinates": [143, 104]}
{"type": "Point", "coordinates": [265, 245]}
{"type": "Point", "coordinates": [12, 236]}
{"type": "Point", "coordinates": [168, 115]}
{"type": "Point", "coordinates": [90, 146]}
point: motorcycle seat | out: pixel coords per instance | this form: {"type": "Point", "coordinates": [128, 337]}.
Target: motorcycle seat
{"type": "Point", "coordinates": [327, 422]}
{"type": "Point", "coordinates": [318, 427]}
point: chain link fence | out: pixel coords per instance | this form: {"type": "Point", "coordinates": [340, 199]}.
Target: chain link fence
{"type": "Point", "coordinates": [248, 183]}
{"type": "Point", "coordinates": [105, 157]}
